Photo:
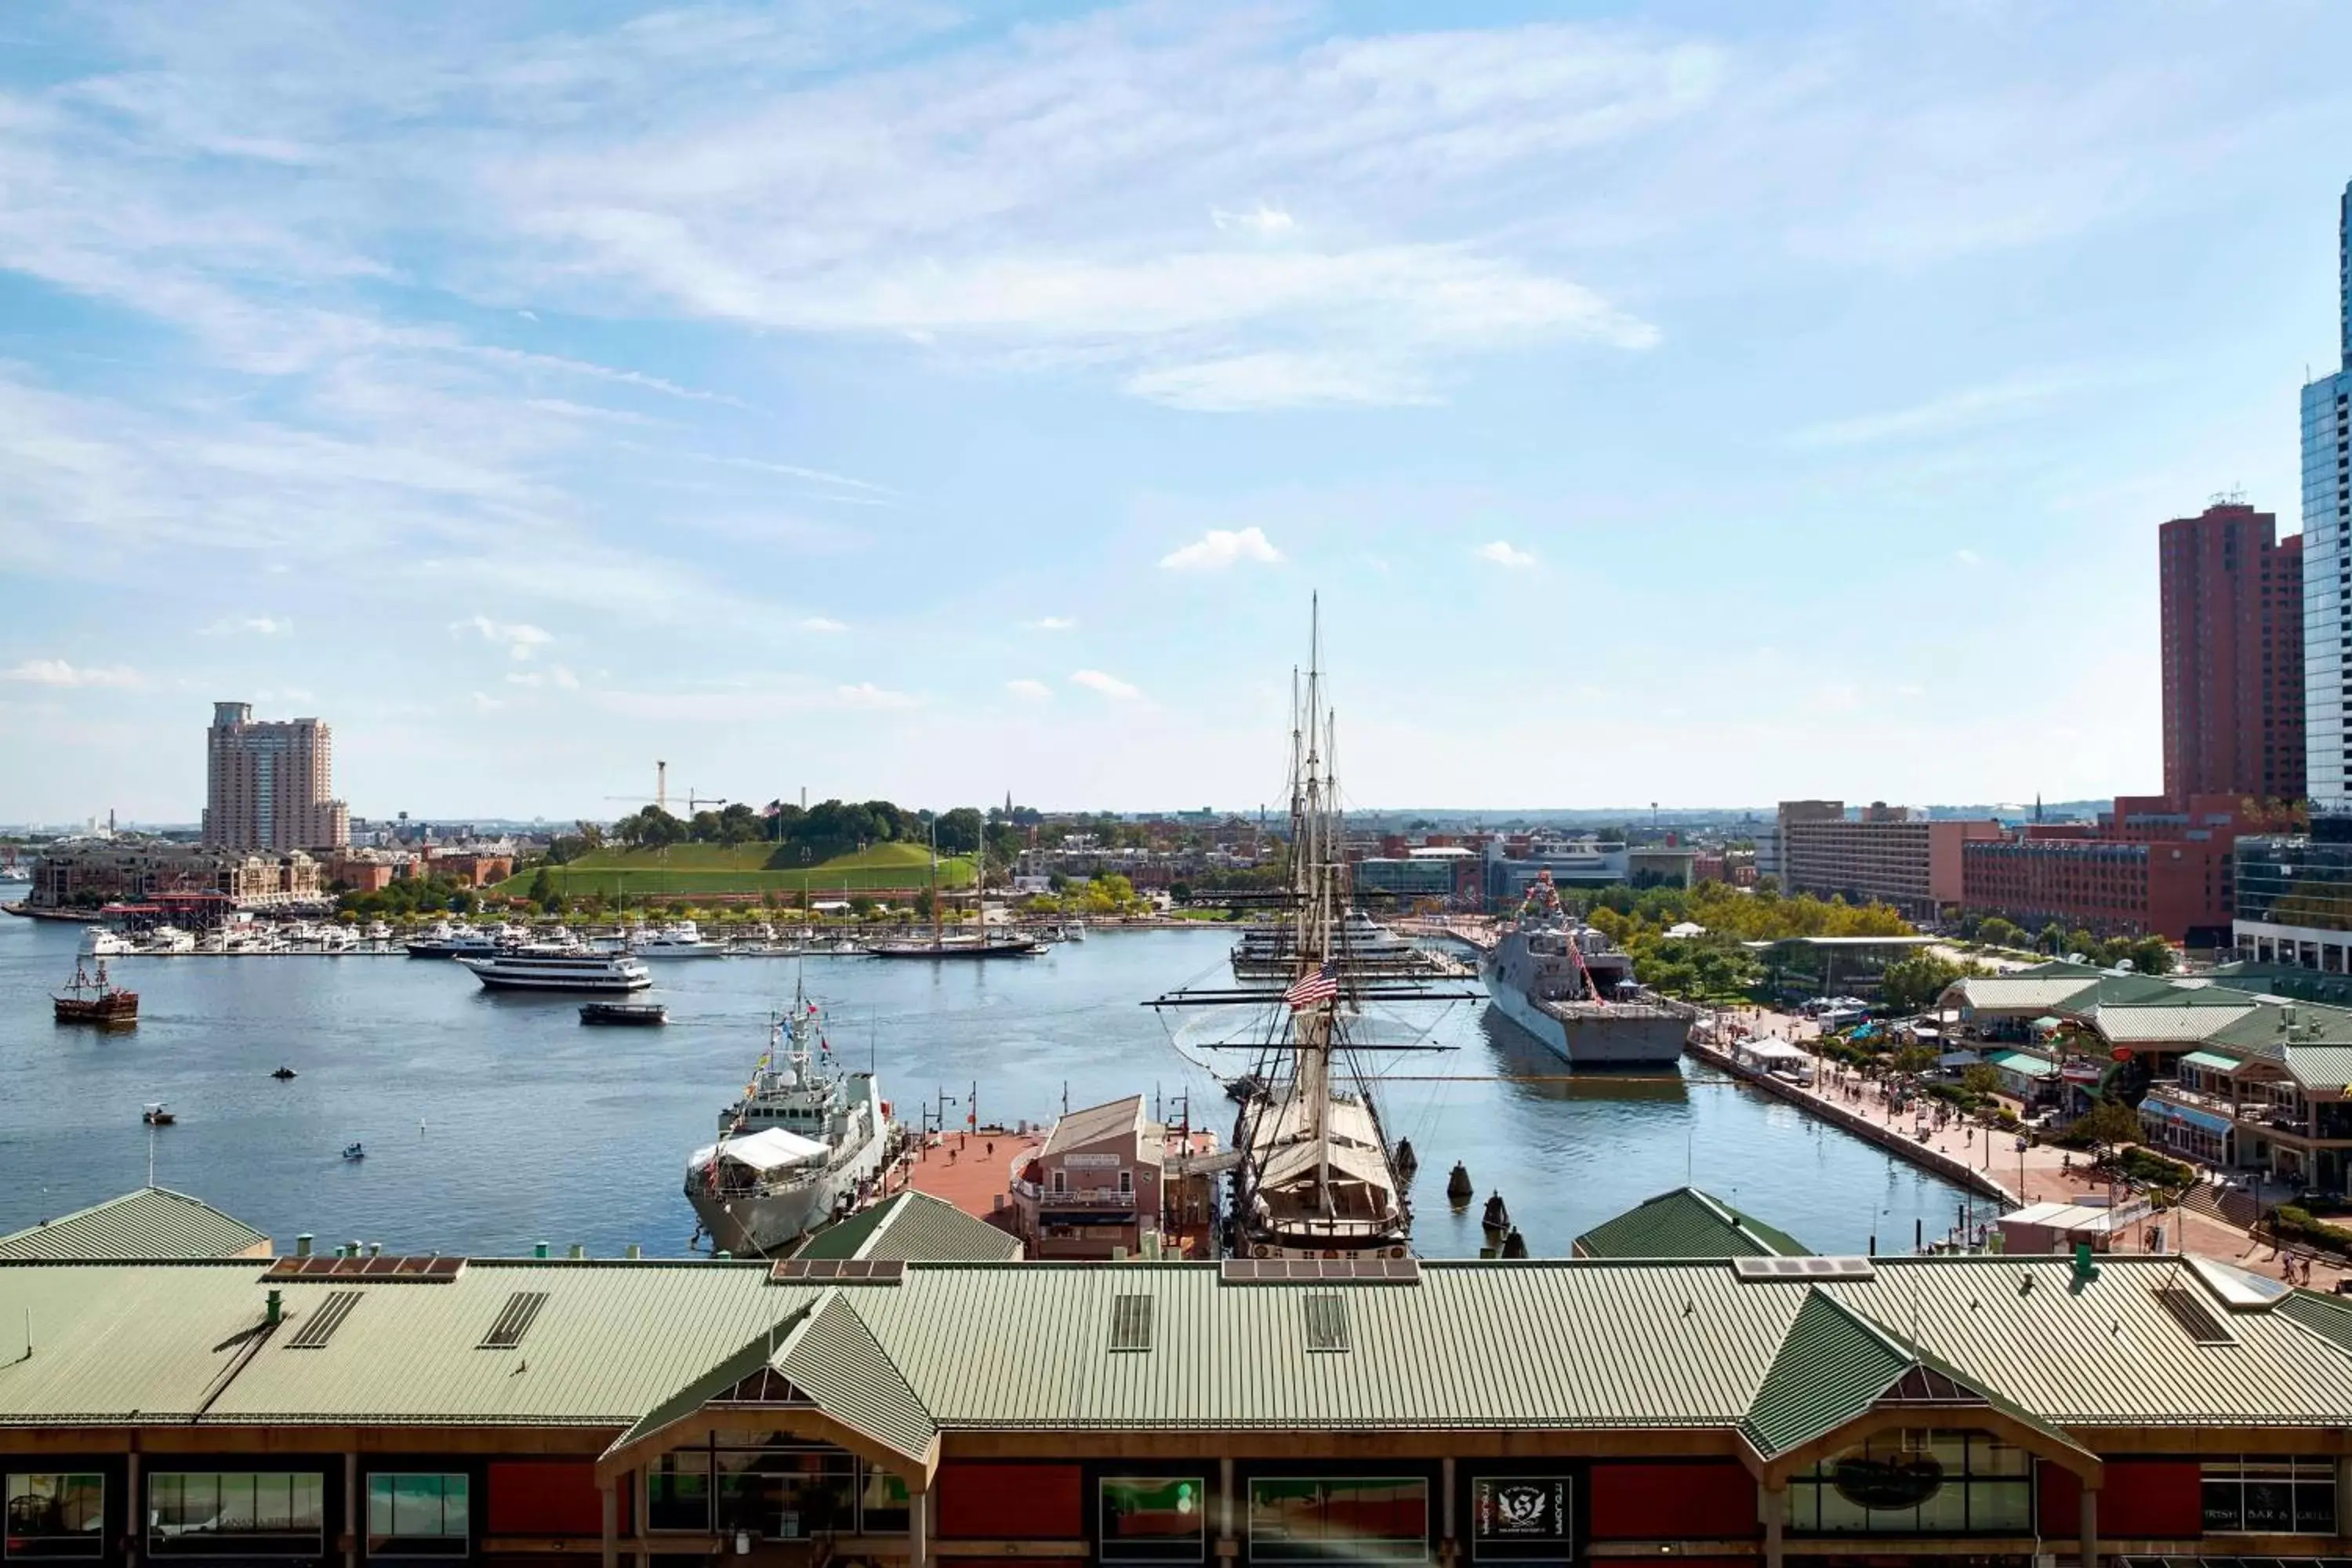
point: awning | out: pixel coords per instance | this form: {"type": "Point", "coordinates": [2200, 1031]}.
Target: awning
{"type": "Point", "coordinates": [2024, 1062]}
{"type": "Point", "coordinates": [766, 1150]}
{"type": "Point", "coordinates": [2209, 1062]}
{"type": "Point", "coordinates": [2047, 1026]}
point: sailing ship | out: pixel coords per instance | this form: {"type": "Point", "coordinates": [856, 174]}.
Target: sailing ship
{"type": "Point", "coordinates": [983, 946]}
{"type": "Point", "coordinates": [94, 999]}
{"type": "Point", "coordinates": [804, 1145]}
{"type": "Point", "coordinates": [1313, 1176]}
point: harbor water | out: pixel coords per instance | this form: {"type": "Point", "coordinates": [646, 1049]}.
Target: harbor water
{"type": "Point", "coordinates": [491, 1122]}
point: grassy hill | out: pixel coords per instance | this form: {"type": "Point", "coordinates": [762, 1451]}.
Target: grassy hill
{"type": "Point", "coordinates": [689, 869]}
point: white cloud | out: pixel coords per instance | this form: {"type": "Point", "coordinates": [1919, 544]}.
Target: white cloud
{"type": "Point", "coordinates": [1030, 690]}
{"type": "Point", "coordinates": [1967, 557]}
{"type": "Point", "coordinates": [58, 672]}
{"type": "Point", "coordinates": [484, 703]}
{"type": "Point", "coordinates": [519, 639]}
{"type": "Point", "coordinates": [554, 675]}
{"type": "Point", "coordinates": [1220, 548]}
{"type": "Point", "coordinates": [1051, 623]}
{"type": "Point", "coordinates": [258, 625]}
{"type": "Point", "coordinates": [866, 694]}
{"type": "Point", "coordinates": [1241, 382]}
{"type": "Point", "coordinates": [1264, 221]}
{"type": "Point", "coordinates": [1110, 686]}
{"type": "Point", "coordinates": [1505, 554]}
{"type": "Point", "coordinates": [822, 624]}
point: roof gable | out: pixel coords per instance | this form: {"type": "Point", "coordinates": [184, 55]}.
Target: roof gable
{"type": "Point", "coordinates": [1686, 1222]}
{"type": "Point", "coordinates": [152, 1222]}
{"type": "Point", "coordinates": [1833, 1365]}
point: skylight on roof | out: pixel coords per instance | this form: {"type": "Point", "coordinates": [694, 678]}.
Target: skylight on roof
{"type": "Point", "coordinates": [1130, 1323]}
{"type": "Point", "coordinates": [1326, 1322]}
{"type": "Point", "coordinates": [514, 1321]}
{"type": "Point", "coordinates": [319, 1325]}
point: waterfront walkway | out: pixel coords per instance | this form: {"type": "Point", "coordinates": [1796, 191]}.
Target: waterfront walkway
{"type": "Point", "coordinates": [2042, 1172]}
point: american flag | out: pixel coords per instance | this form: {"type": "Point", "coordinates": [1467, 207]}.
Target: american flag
{"type": "Point", "coordinates": [1310, 989]}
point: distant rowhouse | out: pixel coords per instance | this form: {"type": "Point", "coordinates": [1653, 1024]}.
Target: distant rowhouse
{"type": "Point", "coordinates": [84, 873]}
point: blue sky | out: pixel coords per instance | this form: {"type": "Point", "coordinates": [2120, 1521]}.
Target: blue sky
{"type": "Point", "coordinates": [1705, 404]}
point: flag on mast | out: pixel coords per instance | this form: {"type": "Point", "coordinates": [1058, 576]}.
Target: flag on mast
{"type": "Point", "coordinates": [1307, 990]}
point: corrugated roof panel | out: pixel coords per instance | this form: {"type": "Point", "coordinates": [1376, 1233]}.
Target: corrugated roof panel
{"type": "Point", "coordinates": [110, 1341]}
{"type": "Point", "coordinates": [153, 1222]}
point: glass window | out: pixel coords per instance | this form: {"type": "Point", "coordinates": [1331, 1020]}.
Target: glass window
{"type": "Point", "coordinates": [882, 1503]}
{"type": "Point", "coordinates": [788, 1494]}
{"type": "Point", "coordinates": [678, 1492]}
{"type": "Point", "coordinates": [1917, 1483]}
{"type": "Point", "coordinates": [2280, 1496]}
{"type": "Point", "coordinates": [239, 1513]}
{"type": "Point", "coordinates": [56, 1514]}
{"type": "Point", "coordinates": [1339, 1519]}
{"type": "Point", "coordinates": [420, 1515]}
{"type": "Point", "coordinates": [1154, 1519]}
{"type": "Point", "coordinates": [1521, 1519]}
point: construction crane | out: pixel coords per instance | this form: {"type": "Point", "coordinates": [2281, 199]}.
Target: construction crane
{"type": "Point", "coordinates": [660, 797]}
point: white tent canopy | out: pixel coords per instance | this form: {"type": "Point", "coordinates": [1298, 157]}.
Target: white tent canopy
{"type": "Point", "coordinates": [766, 1150]}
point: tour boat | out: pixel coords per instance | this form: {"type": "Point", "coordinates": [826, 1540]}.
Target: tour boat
{"type": "Point", "coordinates": [548, 967]}
{"type": "Point", "coordinates": [94, 999]}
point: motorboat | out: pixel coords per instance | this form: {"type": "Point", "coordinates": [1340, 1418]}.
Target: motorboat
{"type": "Point", "coordinates": [549, 967]}
{"type": "Point", "coordinates": [641, 1015]}
{"type": "Point", "coordinates": [170, 940]}
{"type": "Point", "coordinates": [354, 1151]}
{"type": "Point", "coordinates": [284, 1075]}
{"type": "Point", "coordinates": [679, 938]}
{"type": "Point", "coordinates": [105, 942]}
{"type": "Point", "coordinates": [156, 1114]}
{"type": "Point", "coordinates": [444, 940]}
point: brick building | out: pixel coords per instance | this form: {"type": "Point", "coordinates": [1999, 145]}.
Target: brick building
{"type": "Point", "coordinates": [2151, 865]}
{"type": "Point", "coordinates": [1913, 863]}
{"type": "Point", "coordinates": [267, 785]}
{"type": "Point", "coordinates": [2232, 652]}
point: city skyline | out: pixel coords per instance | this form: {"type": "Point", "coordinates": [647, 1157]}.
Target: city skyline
{"type": "Point", "coordinates": [1667, 405]}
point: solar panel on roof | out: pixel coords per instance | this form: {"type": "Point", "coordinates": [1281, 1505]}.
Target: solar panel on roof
{"type": "Point", "coordinates": [1325, 1270]}
{"type": "Point", "coordinates": [514, 1321]}
{"type": "Point", "coordinates": [319, 1325]}
{"type": "Point", "coordinates": [1777, 1268]}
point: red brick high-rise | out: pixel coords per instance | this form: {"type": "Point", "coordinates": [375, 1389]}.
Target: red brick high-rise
{"type": "Point", "coordinates": [2232, 655]}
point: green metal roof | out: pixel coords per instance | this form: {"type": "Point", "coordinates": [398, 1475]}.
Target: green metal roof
{"type": "Point", "coordinates": [2024, 1062]}
{"type": "Point", "coordinates": [153, 1222]}
{"type": "Point", "coordinates": [2209, 1062]}
{"type": "Point", "coordinates": [1832, 1366]}
{"type": "Point", "coordinates": [1552, 1344]}
{"type": "Point", "coordinates": [1686, 1222]}
{"type": "Point", "coordinates": [2170, 1023]}
{"type": "Point", "coordinates": [2321, 1067]}
{"type": "Point", "coordinates": [914, 1227]}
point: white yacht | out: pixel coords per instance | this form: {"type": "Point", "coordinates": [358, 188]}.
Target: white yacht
{"type": "Point", "coordinates": [679, 938]}
{"type": "Point", "coordinates": [546, 966]}
{"type": "Point", "coordinates": [171, 940]}
{"type": "Point", "coordinates": [804, 1145]}
{"type": "Point", "coordinates": [335, 941]}
{"type": "Point", "coordinates": [104, 942]}
{"type": "Point", "coordinates": [1361, 944]}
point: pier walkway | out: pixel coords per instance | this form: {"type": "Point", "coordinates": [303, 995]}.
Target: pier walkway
{"type": "Point", "coordinates": [1986, 1160]}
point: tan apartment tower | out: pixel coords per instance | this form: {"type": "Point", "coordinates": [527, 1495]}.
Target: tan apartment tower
{"type": "Point", "coordinates": [269, 785]}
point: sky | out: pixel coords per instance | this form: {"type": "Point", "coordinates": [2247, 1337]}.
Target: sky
{"type": "Point", "coordinates": [1705, 404]}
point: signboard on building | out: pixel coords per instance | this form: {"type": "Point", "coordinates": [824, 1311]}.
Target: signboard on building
{"type": "Point", "coordinates": [1090, 1161]}
{"type": "Point", "coordinates": [1521, 1519]}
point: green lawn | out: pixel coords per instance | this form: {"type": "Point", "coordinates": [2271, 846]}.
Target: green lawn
{"type": "Point", "coordinates": [741, 868]}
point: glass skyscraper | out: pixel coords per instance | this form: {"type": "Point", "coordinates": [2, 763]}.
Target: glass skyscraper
{"type": "Point", "coordinates": [2327, 556]}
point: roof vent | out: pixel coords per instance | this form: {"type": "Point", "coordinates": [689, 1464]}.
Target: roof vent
{"type": "Point", "coordinates": [324, 1321]}
{"type": "Point", "coordinates": [1130, 1323]}
{"type": "Point", "coordinates": [514, 1321]}
{"type": "Point", "coordinates": [1326, 1322]}
{"type": "Point", "coordinates": [388, 1269]}
{"type": "Point", "coordinates": [1784, 1269]}
{"type": "Point", "coordinates": [838, 1271]}
{"type": "Point", "coordinates": [1315, 1270]}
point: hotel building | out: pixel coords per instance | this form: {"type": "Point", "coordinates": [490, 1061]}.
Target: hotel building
{"type": "Point", "coordinates": [269, 785]}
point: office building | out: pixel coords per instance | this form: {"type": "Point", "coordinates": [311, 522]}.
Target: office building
{"type": "Point", "coordinates": [2152, 864]}
{"type": "Point", "coordinates": [2232, 619]}
{"type": "Point", "coordinates": [1888, 856]}
{"type": "Point", "coordinates": [269, 785]}
{"type": "Point", "coordinates": [1757, 1410]}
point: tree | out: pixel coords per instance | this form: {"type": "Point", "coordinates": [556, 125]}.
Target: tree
{"type": "Point", "coordinates": [959, 831]}
{"type": "Point", "coordinates": [542, 893]}
{"type": "Point", "coordinates": [1913, 982]}
{"type": "Point", "coordinates": [2001, 933]}
{"type": "Point", "coordinates": [1981, 1080]}
{"type": "Point", "coordinates": [2152, 955]}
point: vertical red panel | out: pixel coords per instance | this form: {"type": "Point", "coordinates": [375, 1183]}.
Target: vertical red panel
{"type": "Point", "coordinates": [1709, 1501]}
{"type": "Point", "coordinates": [549, 1497]}
{"type": "Point", "coordinates": [2145, 1498]}
{"type": "Point", "coordinates": [2058, 1493]}
{"type": "Point", "coordinates": [1018, 1503]}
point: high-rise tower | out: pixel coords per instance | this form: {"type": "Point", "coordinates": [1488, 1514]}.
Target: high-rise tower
{"type": "Point", "coordinates": [2233, 615]}
{"type": "Point", "coordinates": [2328, 554]}
{"type": "Point", "coordinates": [267, 784]}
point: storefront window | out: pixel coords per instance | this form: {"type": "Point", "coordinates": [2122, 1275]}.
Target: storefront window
{"type": "Point", "coordinates": [1917, 1483]}
{"type": "Point", "coordinates": [56, 1514]}
{"type": "Point", "coordinates": [2272, 1496]}
{"type": "Point", "coordinates": [1339, 1519]}
{"type": "Point", "coordinates": [236, 1513]}
{"type": "Point", "coordinates": [678, 1492]}
{"type": "Point", "coordinates": [788, 1494]}
{"type": "Point", "coordinates": [1154, 1519]}
{"type": "Point", "coordinates": [423, 1515]}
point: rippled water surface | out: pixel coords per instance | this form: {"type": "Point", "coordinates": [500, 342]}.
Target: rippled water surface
{"type": "Point", "coordinates": [492, 1123]}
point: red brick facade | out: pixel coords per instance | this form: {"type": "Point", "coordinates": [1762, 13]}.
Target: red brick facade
{"type": "Point", "coordinates": [2232, 609]}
